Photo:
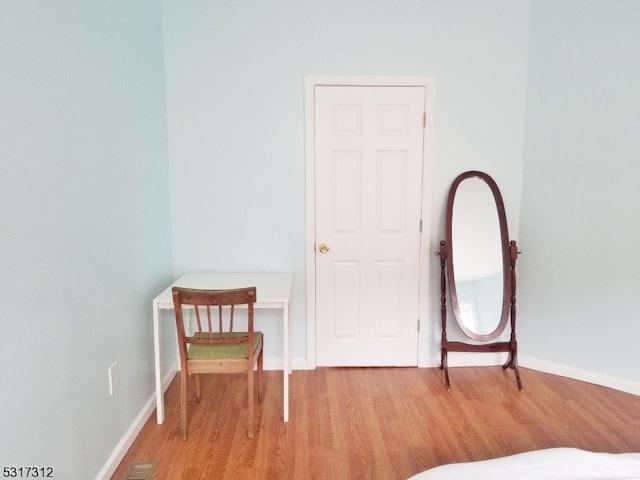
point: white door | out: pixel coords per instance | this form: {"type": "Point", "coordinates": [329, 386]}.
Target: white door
{"type": "Point", "coordinates": [368, 175]}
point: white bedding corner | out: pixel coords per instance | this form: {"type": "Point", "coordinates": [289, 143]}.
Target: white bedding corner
{"type": "Point", "coordinates": [549, 464]}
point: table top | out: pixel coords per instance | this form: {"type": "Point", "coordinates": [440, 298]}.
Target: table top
{"type": "Point", "coordinates": [273, 289]}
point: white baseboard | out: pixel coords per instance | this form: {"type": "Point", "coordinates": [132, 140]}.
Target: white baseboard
{"type": "Point", "coordinates": [471, 359]}
{"type": "Point", "coordinates": [577, 374]}
{"type": "Point", "coordinates": [278, 364]}
{"type": "Point", "coordinates": [134, 430]}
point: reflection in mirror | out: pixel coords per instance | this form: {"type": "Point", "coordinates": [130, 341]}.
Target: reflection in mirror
{"type": "Point", "coordinates": [477, 250]}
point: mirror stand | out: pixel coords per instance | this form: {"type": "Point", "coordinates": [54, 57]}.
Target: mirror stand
{"type": "Point", "coordinates": [510, 346]}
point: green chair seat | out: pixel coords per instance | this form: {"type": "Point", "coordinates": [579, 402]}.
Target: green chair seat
{"type": "Point", "coordinates": [199, 351]}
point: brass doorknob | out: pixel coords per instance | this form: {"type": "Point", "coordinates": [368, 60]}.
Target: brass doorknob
{"type": "Point", "coordinates": [323, 248]}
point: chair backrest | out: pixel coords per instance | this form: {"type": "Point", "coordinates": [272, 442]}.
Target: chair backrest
{"type": "Point", "coordinates": [214, 312]}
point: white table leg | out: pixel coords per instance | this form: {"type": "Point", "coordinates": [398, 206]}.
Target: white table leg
{"type": "Point", "coordinates": [287, 363]}
{"type": "Point", "coordinates": [157, 356]}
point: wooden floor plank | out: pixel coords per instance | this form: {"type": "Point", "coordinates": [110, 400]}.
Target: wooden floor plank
{"type": "Point", "coordinates": [380, 423]}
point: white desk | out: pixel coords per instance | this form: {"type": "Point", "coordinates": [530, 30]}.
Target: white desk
{"type": "Point", "coordinates": [273, 291]}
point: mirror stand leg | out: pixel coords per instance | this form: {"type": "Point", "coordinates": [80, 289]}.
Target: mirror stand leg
{"type": "Point", "coordinates": [445, 366]}
{"type": "Point", "coordinates": [514, 365]}
{"type": "Point", "coordinates": [518, 378]}
{"type": "Point", "coordinates": [512, 362]}
{"type": "Point", "coordinates": [509, 362]}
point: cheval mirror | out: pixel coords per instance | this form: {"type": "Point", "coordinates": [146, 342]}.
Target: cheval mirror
{"type": "Point", "coordinates": [477, 264]}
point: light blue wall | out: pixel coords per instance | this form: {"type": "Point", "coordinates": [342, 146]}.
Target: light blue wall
{"type": "Point", "coordinates": [235, 104]}
{"type": "Point", "coordinates": [578, 281]}
{"type": "Point", "coordinates": [85, 229]}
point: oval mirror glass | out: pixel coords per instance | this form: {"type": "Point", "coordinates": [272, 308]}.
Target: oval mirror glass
{"type": "Point", "coordinates": [478, 256]}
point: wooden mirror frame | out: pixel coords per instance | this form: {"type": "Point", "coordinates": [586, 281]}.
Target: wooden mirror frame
{"type": "Point", "coordinates": [505, 255]}
{"type": "Point", "coordinates": [509, 257]}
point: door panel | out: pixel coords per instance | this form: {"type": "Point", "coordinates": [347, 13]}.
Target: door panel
{"type": "Point", "coordinates": [368, 160]}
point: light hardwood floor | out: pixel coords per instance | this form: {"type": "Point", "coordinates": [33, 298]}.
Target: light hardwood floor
{"type": "Point", "coordinates": [381, 423]}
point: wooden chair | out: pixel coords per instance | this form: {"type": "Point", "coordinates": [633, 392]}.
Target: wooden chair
{"type": "Point", "coordinates": [215, 347]}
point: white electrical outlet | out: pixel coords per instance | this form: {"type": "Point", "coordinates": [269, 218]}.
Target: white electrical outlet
{"type": "Point", "coordinates": [114, 378]}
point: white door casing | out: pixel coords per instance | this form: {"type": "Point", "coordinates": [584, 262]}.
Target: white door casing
{"type": "Point", "coordinates": [366, 149]}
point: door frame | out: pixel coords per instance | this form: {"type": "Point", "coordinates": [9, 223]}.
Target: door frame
{"type": "Point", "coordinates": [310, 82]}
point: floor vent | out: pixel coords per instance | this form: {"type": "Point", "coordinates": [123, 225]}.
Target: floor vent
{"type": "Point", "coordinates": [140, 471]}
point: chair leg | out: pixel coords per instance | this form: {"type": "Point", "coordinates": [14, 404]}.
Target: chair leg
{"type": "Point", "coordinates": [198, 395]}
{"type": "Point", "coordinates": [184, 390]}
{"type": "Point", "coordinates": [260, 373]}
{"type": "Point", "coordinates": [250, 399]}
